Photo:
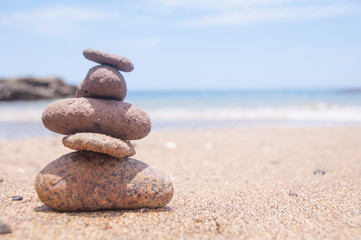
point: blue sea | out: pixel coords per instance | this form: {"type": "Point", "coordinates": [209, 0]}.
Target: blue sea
{"type": "Point", "coordinates": [210, 109]}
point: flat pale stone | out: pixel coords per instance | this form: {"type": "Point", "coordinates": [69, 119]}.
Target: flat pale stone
{"type": "Point", "coordinates": [110, 117]}
{"type": "Point", "coordinates": [119, 62]}
{"type": "Point", "coordinates": [103, 82]}
{"type": "Point", "coordinates": [89, 181]}
{"type": "Point", "coordinates": [101, 143]}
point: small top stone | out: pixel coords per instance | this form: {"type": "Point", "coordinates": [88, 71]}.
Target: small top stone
{"type": "Point", "coordinates": [119, 62]}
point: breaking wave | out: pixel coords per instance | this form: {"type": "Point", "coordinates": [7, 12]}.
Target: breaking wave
{"type": "Point", "coordinates": [312, 113]}
{"type": "Point", "coordinates": [319, 112]}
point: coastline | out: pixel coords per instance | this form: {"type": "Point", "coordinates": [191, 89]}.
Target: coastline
{"type": "Point", "coordinates": [251, 182]}
{"type": "Point", "coordinates": [36, 129]}
{"type": "Point", "coordinates": [203, 109]}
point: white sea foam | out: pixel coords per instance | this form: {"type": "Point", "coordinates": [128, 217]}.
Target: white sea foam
{"type": "Point", "coordinates": [311, 113]}
{"type": "Point", "coordinates": [22, 111]}
{"type": "Point", "coordinates": [209, 109]}
{"type": "Point", "coordinates": [20, 114]}
{"type": "Point", "coordinates": [319, 112]}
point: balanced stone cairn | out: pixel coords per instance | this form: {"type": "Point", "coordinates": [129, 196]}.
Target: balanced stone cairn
{"type": "Point", "coordinates": [98, 124]}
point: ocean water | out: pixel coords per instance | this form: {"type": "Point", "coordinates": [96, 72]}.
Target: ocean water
{"type": "Point", "coordinates": [210, 109]}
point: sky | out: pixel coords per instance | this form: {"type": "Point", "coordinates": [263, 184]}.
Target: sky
{"type": "Point", "coordinates": [188, 44]}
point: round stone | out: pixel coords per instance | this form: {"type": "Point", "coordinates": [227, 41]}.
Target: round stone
{"type": "Point", "coordinates": [110, 117]}
{"type": "Point", "coordinates": [119, 62]}
{"type": "Point", "coordinates": [103, 82]}
{"type": "Point", "coordinates": [89, 181]}
{"type": "Point", "coordinates": [101, 143]}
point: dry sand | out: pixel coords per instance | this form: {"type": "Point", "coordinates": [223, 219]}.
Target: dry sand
{"type": "Point", "coordinates": [229, 184]}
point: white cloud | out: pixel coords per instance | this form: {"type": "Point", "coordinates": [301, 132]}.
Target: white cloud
{"type": "Point", "coordinates": [149, 42]}
{"type": "Point", "coordinates": [52, 20]}
{"type": "Point", "coordinates": [67, 20]}
{"type": "Point", "coordinates": [233, 18]}
{"type": "Point", "coordinates": [217, 4]}
{"type": "Point", "coordinates": [240, 12]}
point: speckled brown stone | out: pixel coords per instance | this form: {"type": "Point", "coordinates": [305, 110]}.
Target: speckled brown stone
{"type": "Point", "coordinates": [98, 142]}
{"type": "Point", "coordinates": [114, 118]}
{"type": "Point", "coordinates": [88, 181]}
{"type": "Point", "coordinates": [119, 62]}
{"type": "Point", "coordinates": [103, 82]}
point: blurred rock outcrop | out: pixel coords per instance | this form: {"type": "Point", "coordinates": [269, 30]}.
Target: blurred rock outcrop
{"type": "Point", "coordinates": [29, 88]}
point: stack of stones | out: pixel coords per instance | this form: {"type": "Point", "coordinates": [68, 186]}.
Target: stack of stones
{"type": "Point", "coordinates": [99, 126]}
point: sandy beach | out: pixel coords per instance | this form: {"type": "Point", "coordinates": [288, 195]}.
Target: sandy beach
{"type": "Point", "coordinates": [236, 183]}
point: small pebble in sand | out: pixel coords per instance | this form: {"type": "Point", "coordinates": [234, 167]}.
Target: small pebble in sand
{"type": "Point", "coordinates": [1, 179]}
{"type": "Point", "coordinates": [20, 170]}
{"type": "Point", "coordinates": [208, 146]}
{"type": "Point", "coordinates": [4, 228]}
{"type": "Point", "coordinates": [292, 194]}
{"type": "Point", "coordinates": [319, 172]}
{"type": "Point", "coordinates": [170, 145]}
{"type": "Point", "coordinates": [17, 198]}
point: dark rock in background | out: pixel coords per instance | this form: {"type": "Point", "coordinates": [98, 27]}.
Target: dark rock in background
{"type": "Point", "coordinates": [34, 89]}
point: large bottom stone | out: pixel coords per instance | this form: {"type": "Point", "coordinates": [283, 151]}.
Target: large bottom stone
{"type": "Point", "coordinates": [89, 181]}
